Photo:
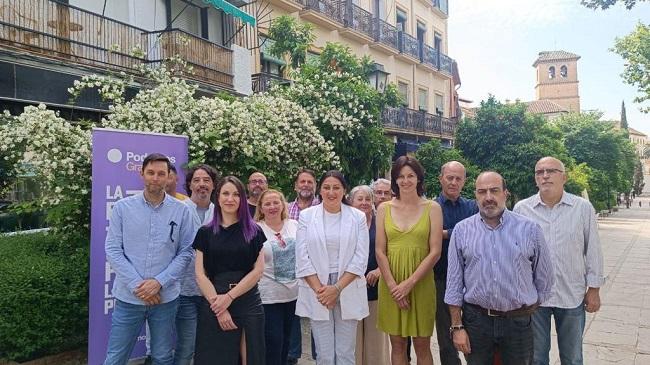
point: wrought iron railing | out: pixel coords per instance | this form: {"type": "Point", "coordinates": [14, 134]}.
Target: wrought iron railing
{"type": "Point", "coordinates": [386, 34]}
{"type": "Point", "coordinates": [56, 30]}
{"type": "Point", "coordinates": [333, 9]}
{"type": "Point", "coordinates": [263, 81]}
{"type": "Point", "coordinates": [409, 45]}
{"type": "Point", "coordinates": [359, 19]}
{"type": "Point", "coordinates": [417, 122]}
{"type": "Point", "coordinates": [445, 64]}
{"type": "Point", "coordinates": [210, 61]}
{"type": "Point", "coordinates": [430, 56]}
{"type": "Point", "coordinates": [61, 31]}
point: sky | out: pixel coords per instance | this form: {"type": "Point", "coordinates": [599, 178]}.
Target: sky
{"type": "Point", "coordinates": [496, 42]}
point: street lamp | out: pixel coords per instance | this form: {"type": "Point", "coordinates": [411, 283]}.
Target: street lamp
{"type": "Point", "coordinates": [378, 77]}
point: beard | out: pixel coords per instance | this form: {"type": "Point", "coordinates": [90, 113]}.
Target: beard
{"type": "Point", "coordinates": [306, 194]}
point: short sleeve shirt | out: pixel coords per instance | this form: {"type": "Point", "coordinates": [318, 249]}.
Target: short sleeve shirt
{"type": "Point", "coordinates": [227, 250]}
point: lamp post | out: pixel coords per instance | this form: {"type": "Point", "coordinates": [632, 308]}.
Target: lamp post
{"type": "Point", "coordinates": [378, 77]}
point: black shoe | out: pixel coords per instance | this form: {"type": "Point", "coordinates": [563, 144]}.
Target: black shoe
{"type": "Point", "coordinates": [147, 360]}
{"type": "Point", "coordinates": [292, 361]}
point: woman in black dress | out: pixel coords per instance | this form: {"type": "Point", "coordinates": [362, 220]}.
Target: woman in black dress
{"type": "Point", "coordinates": [228, 267]}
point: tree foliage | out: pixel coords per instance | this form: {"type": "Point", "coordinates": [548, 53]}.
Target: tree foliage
{"type": "Point", "coordinates": [638, 184]}
{"type": "Point", "coordinates": [291, 38]}
{"type": "Point", "coordinates": [432, 156]}
{"type": "Point", "coordinates": [604, 4]}
{"type": "Point", "coordinates": [335, 92]}
{"type": "Point", "coordinates": [634, 48]}
{"type": "Point", "coordinates": [504, 138]}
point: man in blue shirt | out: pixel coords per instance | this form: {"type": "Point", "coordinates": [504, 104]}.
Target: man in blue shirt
{"type": "Point", "coordinates": [499, 271]}
{"type": "Point", "coordinates": [455, 208]}
{"type": "Point", "coordinates": [148, 246]}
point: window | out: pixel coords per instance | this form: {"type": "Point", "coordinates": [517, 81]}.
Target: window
{"type": "Point", "coordinates": [269, 63]}
{"type": "Point", "coordinates": [440, 104]}
{"type": "Point", "coordinates": [401, 20]}
{"type": "Point", "coordinates": [551, 72]}
{"type": "Point", "coordinates": [437, 41]}
{"type": "Point", "coordinates": [422, 32]}
{"type": "Point", "coordinates": [380, 9]}
{"type": "Point", "coordinates": [423, 99]}
{"type": "Point", "coordinates": [563, 71]}
{"type": "Point", "coordinates": [403, 90]}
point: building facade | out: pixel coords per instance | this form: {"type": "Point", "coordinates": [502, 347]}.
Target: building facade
{"type": "Point", "coordinates": [407, 37]}
{"type": "Point", "coordinates": [45, 45]}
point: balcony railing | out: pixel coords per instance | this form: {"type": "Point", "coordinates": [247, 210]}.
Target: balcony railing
{"type": "Point", "coordinates": [56, 30]}
{"type": "Point", "coordinates": [263, 81]}
{"type": "Point", "coordinates": [411, 121]}
{"type": "Point", "coordinates": [359, 19]}
{"type": "Point", "coordinates": [356, 18]}
{"type": "Point", "coordinates": [210, 61]}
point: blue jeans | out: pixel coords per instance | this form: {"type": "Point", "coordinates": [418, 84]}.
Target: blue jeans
{"type": "Point", "coordinates": [126, 324]}
{"type": "Point", "coordinates": [513, 335]}
{"type": "Point", "coordinates": [278, 324]}
{"type": "Point", "coordinates": [295, 339]}
{"type": "Point", "coordinates": [570, 326]}
{"type": "Point", "coordinates": [188, 309]}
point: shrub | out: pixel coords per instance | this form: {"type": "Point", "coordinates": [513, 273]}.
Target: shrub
{"type": "Point", "coordinates": [43, 296]}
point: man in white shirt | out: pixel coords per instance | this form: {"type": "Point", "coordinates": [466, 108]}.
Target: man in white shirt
{"type": "Point", "coordinates": [571, 231]}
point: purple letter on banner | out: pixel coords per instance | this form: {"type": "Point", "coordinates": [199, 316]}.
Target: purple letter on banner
{"type": "Point", "coordinates": [116, 163]}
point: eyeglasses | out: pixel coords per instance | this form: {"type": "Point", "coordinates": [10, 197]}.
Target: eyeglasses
{"type": "Point", "coordinates": [542, 172]}
{"type": "Point", "coordinates": [382, 193]}
{"type": "Point", "coordinates": [281, 241]}
{"type": "Point", "coordinates": [257, 182]}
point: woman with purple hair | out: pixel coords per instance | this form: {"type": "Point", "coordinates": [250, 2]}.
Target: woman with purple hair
{"type": "Point", "coordinates": [228, 266]}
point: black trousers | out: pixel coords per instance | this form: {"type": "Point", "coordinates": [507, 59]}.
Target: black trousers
{"type": "Point", "coordinates": [216, 346]}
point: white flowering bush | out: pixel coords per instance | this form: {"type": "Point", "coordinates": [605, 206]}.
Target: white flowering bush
{"type": "Point", "coordinates": [334, 91]}
{"type": "Point", "coordinates": [264, 132]}
{"type": "Point", "coordinates": [40, 142]}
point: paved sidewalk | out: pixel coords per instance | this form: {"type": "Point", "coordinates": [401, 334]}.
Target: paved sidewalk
{"type": "Point", "coordinates": [620, 332]}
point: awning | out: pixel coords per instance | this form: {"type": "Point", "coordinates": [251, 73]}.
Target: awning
{"type": "Point", "coordinates": [229, 8]}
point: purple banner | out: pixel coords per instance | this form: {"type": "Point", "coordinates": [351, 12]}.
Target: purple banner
{"type": "Point", "coordinates": [116, 164]}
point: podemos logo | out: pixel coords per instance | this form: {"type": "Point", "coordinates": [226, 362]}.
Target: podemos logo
{"type": "Point", "coordinates": [133, 160]}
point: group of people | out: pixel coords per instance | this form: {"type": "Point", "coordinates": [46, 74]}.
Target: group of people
{"type": "Point", "coordinates": [230, 269]}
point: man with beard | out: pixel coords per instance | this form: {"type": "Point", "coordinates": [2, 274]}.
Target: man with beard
{"type": "Point", "coordinates": [257, 184]}
{"type": "Point", "coordinates": [200, 181]}
{"type": "Point", "coordinates": [148, 245]}
{"type": "Point", "coordinates": [305, 188]}
{"type": "Point", "coordinates": [499, 271]}
{"type": "Point", "coordinates": [570, 228]}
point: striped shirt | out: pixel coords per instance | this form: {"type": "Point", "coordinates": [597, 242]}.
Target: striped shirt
{"type": "Point", "coordinates": [571, 231]}
{"type": "Point", "coordinates": [294, 208]}
{"type": "Point", "coordinates": [501, 268]}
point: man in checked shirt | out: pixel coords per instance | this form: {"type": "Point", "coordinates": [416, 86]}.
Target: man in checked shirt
{"type": "Point", "coordinates": [499, 271]}
{"type": "Point", "coordinates": [569, 225]}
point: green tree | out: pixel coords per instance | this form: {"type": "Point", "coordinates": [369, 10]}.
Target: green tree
{"type": "Point", "coordinates": [605, 149]}
{"type": "Point", "coordinates": [334, 90]}
{"type": "Point", "coordinates": [634, 48]}
{"type": "Point", "coordinates": [504, 138]}
{"type": "Point", "coordinates": [638, 184]}
{"type": "Point", "coordinates": [432, 156]}
{"type": "Point", "coordinates": [623, 116]}
{"type": "Point", "coordinates": [604, 4]}
{"type": "Point", "coordinates": [291, 38]}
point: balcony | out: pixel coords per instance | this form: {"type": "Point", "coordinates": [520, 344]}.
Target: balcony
{"type": "Point", "coordinates": [326, 13]}
{"type": "Point", "coordinates": [418, 123]}
{"type": "Point", "coordinates": [262, 82]}
{"type": "Point", "coordinates": [211, 62]}
{"type": "Point", "coordinates": [55, 30]}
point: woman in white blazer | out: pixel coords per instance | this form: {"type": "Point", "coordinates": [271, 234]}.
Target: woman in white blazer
{"type": "Point", "coordinates": [331, 260]}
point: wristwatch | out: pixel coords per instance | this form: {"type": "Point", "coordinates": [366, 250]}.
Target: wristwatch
{"type": "Point", "coordinates": [452, 329]}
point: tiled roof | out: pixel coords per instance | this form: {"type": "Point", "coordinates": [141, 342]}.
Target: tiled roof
{"type": "Point", "coordinates": [634, 131]}
{"type": "Point", "coordinates": [544, 107]}
{"type": "Point", "coordinates": [555, 56]}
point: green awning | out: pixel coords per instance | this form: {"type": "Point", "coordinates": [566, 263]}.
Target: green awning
{"type": "Point", "coordinates": [229, 8]}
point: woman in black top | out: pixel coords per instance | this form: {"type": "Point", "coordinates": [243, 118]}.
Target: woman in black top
{"type": "Point", "coordinates": [228, 267]}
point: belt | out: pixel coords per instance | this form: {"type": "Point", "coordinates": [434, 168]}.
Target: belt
{"type": "Point", "coordinates": [523, 311]}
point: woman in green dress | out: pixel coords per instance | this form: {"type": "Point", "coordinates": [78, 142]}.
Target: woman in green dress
{"type": "Point", "coordinates": [409, 236]}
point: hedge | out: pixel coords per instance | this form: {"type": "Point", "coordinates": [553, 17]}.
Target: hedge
{"type": "Point", "coordinates": [43, 296]}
